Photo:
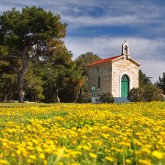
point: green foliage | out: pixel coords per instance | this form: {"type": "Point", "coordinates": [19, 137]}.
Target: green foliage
{"type": "Point", "coordinates": [7, 82]}
{"type": "Point", "coordinates": [33, 85]}
{"type": "Point", "coordinates": [62, 78]}
{"type": "Point", "coordinates": [85, 59]}
{"type": "Point", "coordinates": [148, 93]}
{"type": "Point", "coordinates": [143, 79]}
{"type": "Point", "coordinates": [106, 98]}
{"type": "Point", "coordinates": [152, 93]}
{"type": "Point", "coordinates": [84, 98]}
{"type": "Point", "coordinates": [31, 35]}
{"type": "Point", "coordinates": [73, 81]}
{"type": "Point", "coordinates": [136, 95]}
{"type": "Point", "coordinates": [161, 83]}
{"type": "Point", "coordinates": [53, 77]}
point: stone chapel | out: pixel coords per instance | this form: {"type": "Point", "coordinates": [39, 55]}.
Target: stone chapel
{"type": "Point", "coordinates": [117, 75]}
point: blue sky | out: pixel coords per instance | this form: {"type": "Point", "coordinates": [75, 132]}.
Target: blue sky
{"type": "Point", "coordinates": [100, 26]}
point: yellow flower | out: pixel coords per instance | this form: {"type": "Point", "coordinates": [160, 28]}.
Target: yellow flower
{"type": "Point", "coordinates": [92, 155]}
{"type": "Point", "coordinates": [2, 161]}
{"type": "Point", "coordinates": [5, 145]}
{"type": "Point", "coordinates": [145, 161]}
{"type": "Point", "coordinates": [157, 154]}
{"type": "Point", "coordinates": [39, 149]}
{"type": "Point", "coordinates": [146, 150]}
{"type": "Point", "coordinates": [137, 142]}
{"type": "Point", "coordinates": [86, 148]}
{"type": "Point", "coordinates": [124, 144]}
{"type": "Point", "coordinates": [18, 152]}
{"type": "Point", "coordinates": [35, 141]}
{"type": "Point", "coordinates": [128, 161]}
{"type": "Point", "coordinates": [109, 158]}
{"type": "Point", "coordinates": [33, 157]}
{"type": "Point", "coordinates": [30, 144]}
{"type": "Point", "coordinates": [42, 156]}
{"type": "Point", "coordinates": [60, 163]}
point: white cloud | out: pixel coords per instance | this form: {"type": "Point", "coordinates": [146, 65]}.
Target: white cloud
{"type": "Point", "coordinates": [86, 21]}
{"type": "Point", "coordinates": [153, 68]}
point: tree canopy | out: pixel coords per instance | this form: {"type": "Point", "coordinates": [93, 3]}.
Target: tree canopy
{"type": "Point", "coordinates": [31, 35]}
{"type": "Point", "coordinates": [84, 59]}
{"type": "Point", "coordinates": [161, 83]}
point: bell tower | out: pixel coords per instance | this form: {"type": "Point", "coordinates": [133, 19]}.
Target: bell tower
{"type": "Point", "coordinates": [125, 48]}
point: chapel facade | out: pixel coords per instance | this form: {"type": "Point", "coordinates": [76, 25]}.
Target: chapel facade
{"type": "Point", "coordinates": [117, 74]}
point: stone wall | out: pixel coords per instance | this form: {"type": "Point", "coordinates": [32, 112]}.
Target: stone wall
{"type": "Point", "coordinates": [121, 67]}
{"type": "Point", "coordinates": [104, 71]}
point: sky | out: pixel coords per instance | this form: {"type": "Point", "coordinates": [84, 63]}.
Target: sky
{"type": "Point", "coordinates": [100, 26]}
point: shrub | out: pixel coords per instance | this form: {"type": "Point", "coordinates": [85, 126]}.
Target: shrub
{"type": "Point", "coordinates": [148, 93]}
{"type": "Point", "coordinates": [106, 98]}
{"type": "Point", "coordinates": [136, 95]}
{"type": "Point", "coordinates": [153, 93]}
{"type": "Point", "coordinates": [85, 98]}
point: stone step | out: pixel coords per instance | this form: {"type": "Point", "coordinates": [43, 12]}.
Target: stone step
{"type": "Point", "coordinates": [116, 100]}
{"type": "Point", "coordinates": [121, 100]}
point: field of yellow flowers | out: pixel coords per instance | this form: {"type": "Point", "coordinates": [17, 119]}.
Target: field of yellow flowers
{"type": "Point", "coordinates": [85, 134]}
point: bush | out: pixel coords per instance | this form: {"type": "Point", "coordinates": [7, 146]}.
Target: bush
{"type": "Point", "coordinates": [136, 95]}
{"type": "Point", "coordinates": [106, 98]}
{"type": "Point", "coordinates": [85, 98]}
{"type": "Point", "coordinates": [153, 93]}
{"type": "Point", "coordinates": [148, 93]}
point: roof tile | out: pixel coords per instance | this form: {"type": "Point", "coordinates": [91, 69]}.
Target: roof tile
{"type": "Point", "coordinates": [104, 60]}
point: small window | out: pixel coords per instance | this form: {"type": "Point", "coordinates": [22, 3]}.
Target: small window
{"type": "Point", "coordinates": [98, 82]}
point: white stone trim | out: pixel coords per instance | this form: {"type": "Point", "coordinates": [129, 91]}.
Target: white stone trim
{"type": "Point", "coordinates": [130, 82]}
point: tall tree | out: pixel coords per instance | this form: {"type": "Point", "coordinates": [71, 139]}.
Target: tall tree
{"type": "Point", "coordinates": [84, 59]}
{"type": "Point", "coordinates": [71, 83]}
{"type": "Point", "coordinates": [54, 73]}
{"type": "Point", "coordinates": [33, 84]}
{"type": "Point", "coordinates": [75, 80]}
{"type": "Point", "coordinates": [30, 35]}
{"type": "Point", "coordinates": [7, 81]}
{"type": "Point", "coordinates": [143, 80]}
{"type": "Point", "coordinates": [161, 83]}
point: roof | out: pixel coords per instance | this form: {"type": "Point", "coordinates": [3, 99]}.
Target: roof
{"type": "Point", "coordinates": [104, 60]}
{"type": "Point", "coordinates": [112, 59]}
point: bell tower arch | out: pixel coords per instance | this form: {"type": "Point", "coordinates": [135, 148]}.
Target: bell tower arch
{"type": "Point", "coordinates": [125, 48]}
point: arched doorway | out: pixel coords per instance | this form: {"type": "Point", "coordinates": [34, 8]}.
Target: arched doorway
{"type": "Point", "coordinates": [124, 86]}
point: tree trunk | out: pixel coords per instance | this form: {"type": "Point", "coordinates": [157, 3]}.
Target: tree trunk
{"type": "Point", "coordinates": [57, 98]}
{"type": "Point", "coordinates": [75, 97]}
{"type": "Point", "coordinates": [7, 91]}
{"type": "Point", "coordinates": [20, 78]}
{"type": "Point", "coordinates": [4, 98]}
{"type": "Point", "coordinates": [20, 81]}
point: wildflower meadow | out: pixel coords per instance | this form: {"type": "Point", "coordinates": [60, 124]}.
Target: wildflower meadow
{"type": "Point", "coordinates": [85, 134]}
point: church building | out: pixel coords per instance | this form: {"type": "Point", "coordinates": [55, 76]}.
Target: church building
{"type": "Point", "coordinates": [117, 75]}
